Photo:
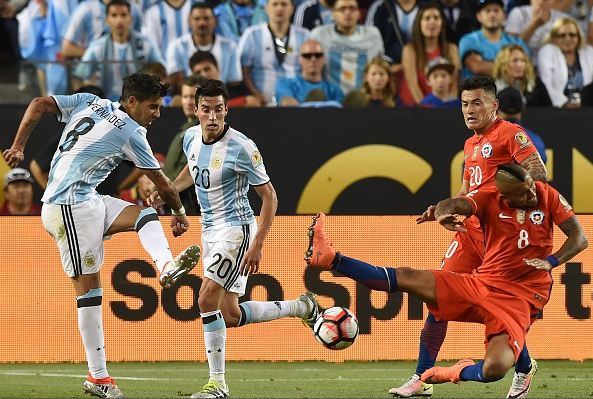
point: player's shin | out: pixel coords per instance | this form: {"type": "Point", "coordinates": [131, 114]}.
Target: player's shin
{"type": "Point", "coordinates": [374, 277]}
{"type": "Point", "coordinates": [215, 340]}
{"type": "Point", "coordinates": [431, 339]}
{"type": "Point", "coordinates": [90, 324]}
{"type": "Point", "coordinates": [259, 311]}
{"type": "Point", "coordinates": [151, 234]}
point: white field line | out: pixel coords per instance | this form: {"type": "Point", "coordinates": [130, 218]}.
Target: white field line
{"type": "Point", "coordinates": [31, 374]}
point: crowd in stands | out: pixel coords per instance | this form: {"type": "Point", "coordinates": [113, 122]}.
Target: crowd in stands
{"type": "Point", "coordinates": [315, 52]}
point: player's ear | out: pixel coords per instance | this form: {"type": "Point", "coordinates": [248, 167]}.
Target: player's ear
{"type": "Point", "coordinates": [495, 104]}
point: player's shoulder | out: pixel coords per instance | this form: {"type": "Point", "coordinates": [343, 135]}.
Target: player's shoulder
{"type": "Point", "coordinates": [505, 130]}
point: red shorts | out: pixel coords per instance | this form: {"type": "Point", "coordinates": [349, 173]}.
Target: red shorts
{"type": "Point", "coordinates": [466, 251]}
{"type": "Point", "coordinates": [464, 297]}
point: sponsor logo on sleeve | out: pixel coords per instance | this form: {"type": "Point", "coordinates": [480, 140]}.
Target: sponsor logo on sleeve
{"type": "Point", "coordinates": [256, 159]}
{"type": "Point", "coordinates": [522, 139]}
{"type": "Point", "coordinates": [564, 203]}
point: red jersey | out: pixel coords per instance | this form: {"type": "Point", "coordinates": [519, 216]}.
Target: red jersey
{"type": "Point", "coordinates": [515, 234]}
{"type": "Point", "coordinates": [504, 142]}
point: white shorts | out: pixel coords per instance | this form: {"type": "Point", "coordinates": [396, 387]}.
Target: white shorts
{"type": "Point", "coordinates": [79, 233]}
{"type": "Point", "coordinates": [223, 251]}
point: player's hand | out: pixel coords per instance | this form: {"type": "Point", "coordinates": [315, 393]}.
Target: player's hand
{"type": "Point", "coordinates": [154, 200]}
{"type": "Point", "coordinates": [250, 263]}
{"type": "Point", "coordinates": [179, 224]}
{"type": "Point", "coordinates": [541, 264]}
{"type": "Point", "coordinates": [13, 156]}
{"type": "Point", "coordinates": [451, 222]}
{"type": "Point", "coordinates": [427, 216]}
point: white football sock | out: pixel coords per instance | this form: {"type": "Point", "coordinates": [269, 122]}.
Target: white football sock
{"type": "Point", "coordinates": [152, 237]}
{"type": "Point", "coordinates": [259, 311]}
{"type": "Point", "coordinates": [215, 340]}
{"type": "Point", "coordinates": [90, 324]}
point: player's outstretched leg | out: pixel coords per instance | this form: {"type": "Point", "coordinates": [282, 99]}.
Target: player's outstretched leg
{"type": "Point", "coordinates": [522, 380]}
{"type": "Point", "coordinates": [440, 375]}
{"type": "Point", "coordinates": [180, 266]}
{"type": "Point", "coordinates": [102, 388]}
{"type": "Point", "coordinates": [305, 306]}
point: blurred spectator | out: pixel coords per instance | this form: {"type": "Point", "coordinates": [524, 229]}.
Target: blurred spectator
{"type": "Point", "coordinates": [394, 19]}
{"type": "Point", "coordinates": [429, 41]}
{"type": "Point", "coordinates": [176, 160]}
{"type": "Point", "coordinates": [580, 10]}
{"type": "Point", "coordinates": [478, 49]}
{"type": "Point", "coordinates": [88, 23]}
{"type": "Point", "coordinates": [312, 13]}
{"type": "Point", "coordinates": [510, 108]}
{"type": "Point", "coordinates": [532, 23]}
{"type": "Point", "coordinates": [512, 67]}
{"type": "Point", "coordinates": [203, 38]}
{"type": "Point", "coordinates": [376, 92]}
{"type": "Point", "coordinates": [565, 64]}
{"type": "Point", "coordinates": [269, 52]}
{"type": "Point", "coordinates": [440, 74]}
{"type": "Point", "coordinates": [140, 192]}
{"type": "Point", "coordinates": [235, 16]}
{"type": "Point", "coordinates": [18, 194]}
{"type": "Point", "coordinates": [294, 91]}
{"type": "Point", "coordinates": [114, 56]}
{"type": "Point", "coordinates": [158, 69]}
{"type": "Point", "coordinates": [32, 21]}
{"type": "Point", "coordinates": [348, 46]}
{"type": "Point", "coordinates": [461, 18]}
{"type": "Point", "coordinates": [166, 21]}
{"type": "Point", "coordinates": [203, 64]}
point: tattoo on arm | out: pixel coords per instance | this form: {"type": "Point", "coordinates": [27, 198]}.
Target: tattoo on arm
{"type": "Point", "coordinates": [576, 241]}
{"type": "Point", "coordinates": [536, 167]}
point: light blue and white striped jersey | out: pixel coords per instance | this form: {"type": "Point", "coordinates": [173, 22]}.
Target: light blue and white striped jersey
{"type": "Point", "coordinates": [118, 59]}
{"type": "Point", "coordinates": [223, 49]}
{"type": "Point", "coordinates": [256, 50]}
{"type": "Point", "coordinates": [164, 23]}
{"type": "Point", "coordinates": [346, 56]}
{"type": "Point", "coordinates": [222, 172]}
{"type": "Point", "coordinates": [88, 22]}
{"type": "Point", "coordinates": [97, 137]}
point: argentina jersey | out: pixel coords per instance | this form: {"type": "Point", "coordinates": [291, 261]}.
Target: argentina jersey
{"type": "Point", "coordinates": [347, 56]}
{"type": "Point", "coordinates": [97, 137]}
{"type": "Point", "coordinates": [223, 50]}
{"type": "Point", "coordinates": [256, 50]}
{"type": "Point", "coordinates": [165, 23]}
{"type": "Point", "coordinates": [222, 172]}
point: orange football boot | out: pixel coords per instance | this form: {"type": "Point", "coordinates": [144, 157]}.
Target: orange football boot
{"type": "Point", "coordinates": [320, 252]}
{"type": "Point", "coordinates": [440, 375]}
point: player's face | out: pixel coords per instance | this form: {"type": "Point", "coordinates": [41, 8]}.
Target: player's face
{"type": "Point", "coordinates": [567, 38]}
{"type": "Point", "coordinates": [207, 70]}
{"type": "Point", "coordinates": [279, 11]}
{"type": "Point", "coordinates": [517, 64]}
{"type": "Point", "coordinates": [188, 102]}
{"type": "Point", "coordinates": [479, 109]}
{"type": "Point", "coordinates": [211, 112]}
{"type": "Point", "coordinates": [377, 78]}
{"type": "Point", "coordinates": [202, 22]}
{"type": "Point", "coordinates": [346, 14]}
{"type": "Point", "coordinates": [144, 112]}
{"type": "Point", "coordinates": [520, 195]}
{"type": "Point", "coordinates": [491, 17]}
{"type": "Point", "coordinates": [119, 19]}
{"type": "Point", "coordinates": [431, 23]}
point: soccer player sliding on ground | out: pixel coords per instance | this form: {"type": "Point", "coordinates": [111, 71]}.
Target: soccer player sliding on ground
{"type": "Point", "coordinates": [505, 293]}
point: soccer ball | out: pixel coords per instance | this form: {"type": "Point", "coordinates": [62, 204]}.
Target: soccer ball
{"type": "Point", "coordinates": [336, 328]}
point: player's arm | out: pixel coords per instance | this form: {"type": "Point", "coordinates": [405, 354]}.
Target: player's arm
{"type": "Point", "coordinates": [428, 215]}
{"type": "Point", "coordinates": [170, 196]}
{"type": "Point", "coordinates": [535, 166]}
{"type": "Point", "coordinates": [447, 210]}
{"type": "Point", "coordinates": [268, 210]}
{"type": "Point", "coordinates": [39, 106]}
{"type": "Point", "coordinates": [576, 241]}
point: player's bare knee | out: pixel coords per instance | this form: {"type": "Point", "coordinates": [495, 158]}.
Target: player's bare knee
{"type": "Point", "coordinates": [495, 368]}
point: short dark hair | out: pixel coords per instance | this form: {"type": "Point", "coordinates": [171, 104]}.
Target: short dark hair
{"type": "Point", "coordinates": [92, 89]}
{"type": "Point", "coordinates": [211, 88]}
{"type": "Point", "coordinates": [202, 56]}
{"type": "Point", "coordinates": [118, 3]}
{"type": "Point", "coordinates": [485, 83]}
{"type": "Point", "coordinates": [514, 170]}
{"type": "Point", "coordinates": [202, 5]}
{"type": "Point", "coordinates": [143, 86]}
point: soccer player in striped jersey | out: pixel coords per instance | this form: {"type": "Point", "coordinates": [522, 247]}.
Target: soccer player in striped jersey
{"type": "Point", "coordinates": [268, 52]}
{"type": "Point", "coordinates": [166, 21]}
{"type": "Point", "coordinates": [202, 38]}
{"type": "Point", "coordinates": [100, 134]}
{"type": "Point", "coordinates": [222, 164]}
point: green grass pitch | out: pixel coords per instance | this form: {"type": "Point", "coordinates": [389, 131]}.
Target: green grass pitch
{"type": "Point", "coordinates": [280, 380]}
